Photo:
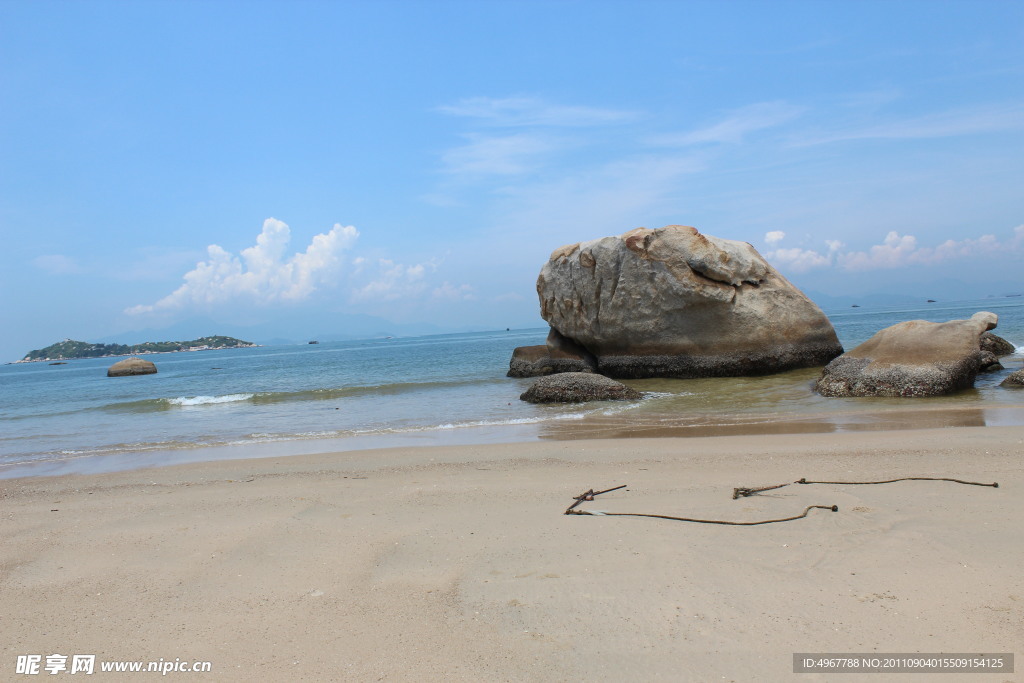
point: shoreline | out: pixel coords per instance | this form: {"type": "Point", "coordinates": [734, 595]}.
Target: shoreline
{"type": "Point", "coordinates": [456, 562]}
{"type": "Point", "coordinates": [881, 419]}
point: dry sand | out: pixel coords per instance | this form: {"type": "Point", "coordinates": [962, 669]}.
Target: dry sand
{"type": "Point", "coordinates": [458, 564]}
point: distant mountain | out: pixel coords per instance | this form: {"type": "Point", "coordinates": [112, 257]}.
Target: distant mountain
{"type": "Point", "coordinates": [69, 349]}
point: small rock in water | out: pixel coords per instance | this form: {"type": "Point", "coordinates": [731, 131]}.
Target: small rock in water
{"type": "Point", "coordinates": [131, 366]}
{"type": "Point", "coordinates": [996, 344]}
{"type": "Point", "coordinates": [1015, 380]}
{"type": "Point", "coordinates": [577, 387]}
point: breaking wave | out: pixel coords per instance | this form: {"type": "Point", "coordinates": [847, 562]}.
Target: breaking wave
{"type": "Point", "coordinates": [206, 400]}
{"type": "Point", "coordinates": [268, 397]}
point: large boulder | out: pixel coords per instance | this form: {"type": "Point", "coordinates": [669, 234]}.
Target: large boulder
{"type": "Point", "coordinates": [911, 359]}
{"type": "Point", "coordinates": [131, 366]}
{"type": "Point", "coordinates": [672, 302]}
{"type": "Point", "coordinates": [577, 387]}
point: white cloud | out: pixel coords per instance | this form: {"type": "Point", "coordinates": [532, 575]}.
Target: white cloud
{"type": "Point", "coordinates": [512, 152]}
{"type": "Point", "coordinates": [262, 274]}
{"type": "Point", "coordinates": [394, 281]}
{"type": "Point", "coordinates": [737, 125]}
{"type": "Point", "coordinates": [531, 111]}
{"type": "Point", "coordinates": [497, 155]}
{"type": "Point", "coordinates": [797, 259]}
{"type": "Point", "coordinates": [892, 252]}
{"type": "Point", "coordinates": [902, 250]}
{"type": "Point", "coordinates": [895, 251]}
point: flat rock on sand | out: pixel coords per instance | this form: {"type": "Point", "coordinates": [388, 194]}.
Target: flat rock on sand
{"type": "Point", "coordinates": [577, 387]}
{"type": "Point", "coordinates": [911, 359]}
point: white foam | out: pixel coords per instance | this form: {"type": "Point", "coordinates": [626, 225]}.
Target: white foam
{"type": "Point", "coordinates": [621, 408]}
{"type": "Point", "coordinates": [207, 400]}
{"type": "Point", "coordinates": [474, 423]}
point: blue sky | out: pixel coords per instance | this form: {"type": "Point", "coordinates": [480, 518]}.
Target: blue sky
{"type": "Point", "coordinates": [286, 166]}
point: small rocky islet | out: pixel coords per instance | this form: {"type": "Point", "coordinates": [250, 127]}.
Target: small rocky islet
{"type": "Point", "coordinates": [70, 349]}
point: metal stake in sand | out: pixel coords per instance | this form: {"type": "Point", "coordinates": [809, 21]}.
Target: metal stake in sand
{"type": "Point", "coordinates": [589, 495]}
{"type": "Point", "coordinates": [743, 492]}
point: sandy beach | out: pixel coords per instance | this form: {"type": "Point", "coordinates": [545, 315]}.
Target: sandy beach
{"type": "Point", "coordinates": [456, 563]}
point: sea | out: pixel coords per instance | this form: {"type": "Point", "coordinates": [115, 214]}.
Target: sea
{"type": "Point", "coordinates": [439, 390]}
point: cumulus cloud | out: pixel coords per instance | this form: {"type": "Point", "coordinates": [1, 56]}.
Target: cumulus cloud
{"type": "Point", "coordinates": [798, 259]}
{"type": "Point", "coordinates": [261, 273]}
{"type": "Point", "coordinates": [901, 250]}
{"type": "Point", "coordinates": [895, 251]}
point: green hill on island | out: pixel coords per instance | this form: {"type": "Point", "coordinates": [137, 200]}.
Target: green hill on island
{"type": "Point", "coordinates": [69, 348]}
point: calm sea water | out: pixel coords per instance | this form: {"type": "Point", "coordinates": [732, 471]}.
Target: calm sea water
{"type": "Point", "coordinates": [428, 390]}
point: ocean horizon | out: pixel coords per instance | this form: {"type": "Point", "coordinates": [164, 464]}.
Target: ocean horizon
{"type": "Point", "coordinates": [433, 390]}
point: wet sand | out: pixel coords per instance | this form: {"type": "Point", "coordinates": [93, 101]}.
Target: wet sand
{"type": "Point", "coordinates": [456, 563]}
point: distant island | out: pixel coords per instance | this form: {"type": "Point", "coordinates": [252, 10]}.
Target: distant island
{"type": "Point", "coordinates": [69, 349]}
